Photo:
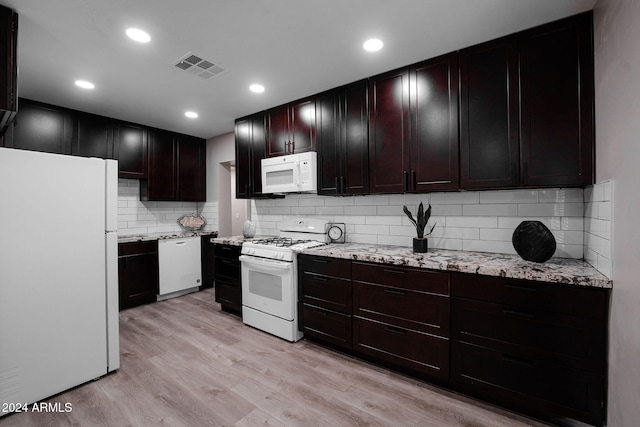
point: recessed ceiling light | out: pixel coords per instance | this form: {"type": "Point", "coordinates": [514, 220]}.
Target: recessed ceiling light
{"type": "Point", "coordinates": [372, 45]}
{"type": "Point", "coordinates": [85, 84]}
{"type": "Point", "coordinates": [191, 114]}
{"type": "Point", "coordinates": [256, 88]}
{"type": "Point", "coordinates": [138, 35]}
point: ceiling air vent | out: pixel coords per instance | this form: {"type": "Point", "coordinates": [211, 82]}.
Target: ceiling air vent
{"type": "Point", "coordinates": [197, 66]}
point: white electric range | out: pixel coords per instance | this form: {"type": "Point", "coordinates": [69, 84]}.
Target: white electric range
{"type": "Point", "coordinates": [270, 276]}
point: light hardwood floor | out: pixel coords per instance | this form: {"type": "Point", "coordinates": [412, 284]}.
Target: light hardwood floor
{"type": "Point", "coordinates": [186, 363]}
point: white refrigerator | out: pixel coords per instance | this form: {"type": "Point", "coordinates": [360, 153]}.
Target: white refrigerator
{"type": "Point", "coordinates": [58, 273]}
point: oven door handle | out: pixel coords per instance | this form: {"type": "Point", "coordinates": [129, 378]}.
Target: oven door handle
{"type": "Point", "coordinates": [264, 264]}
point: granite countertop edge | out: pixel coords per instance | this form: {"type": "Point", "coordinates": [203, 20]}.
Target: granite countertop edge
{"type": "Point", "coordinates": [567, 271]}
{"type": "Point", "coordinates": [163, 236]}
{"type": "Point", "coordinates": [556, 270]}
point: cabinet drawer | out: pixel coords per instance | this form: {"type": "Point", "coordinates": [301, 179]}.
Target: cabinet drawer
{"type": "Point", "coordinates": [529, 383]}
{"type": "Point", "coordinates": [226, 251]}
{"type": "Point", "coordinates": [408, 278]}
{"type": "Point", "coordinates": [335, 267]}
{"type": "Point", "coordinates": [590, 302]}
{"type": "Point", "coordinates": [227, 269]}
{"type": "Point", "coordinates": [407, 309]}
{"type": "Point", "coordinates": [327, 325]}
{"type": "Point", "coordinates": [406, 348]}
{"type": "Point", "coordinates": [568, 339]}
{"type": "Point", "coordinates": [324, 291]}
{"type": "Point", "coordinates": [229, 294]}
{"type": "Point", "coordinates": [138, 248]}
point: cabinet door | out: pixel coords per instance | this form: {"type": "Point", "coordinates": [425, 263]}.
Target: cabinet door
{"type": "Point", "coordinates": [328, 140]}
{"type": "Point", "coordinates": [243, 157]}
{"type": "Point", "coordinates": [489, 155]}
{"type": "Point", "coordinates": [137, 273]}
{"type": "Point", "coordinates": [434, 115]}
{"type": "Point", "coordinates": [556, 80]}
{"type": "Point", "coordinates": [302, 126]}
{"type": "Point", "coordinates": [388, 137]}
{"type": "Point", "coordinates": [92, 137]}
{"type": "Point", "coordinates": [258, 152]}
{"type": "Point", "coordinates": [42, 127]}
{"type": "Point", "coordinates": [162, 181]}
{"type": "Point", "coordinates": [191, 169]}
{"type": "Point", "coordinates": [278, 136]}
{"type": "Point", "coordinates": [354, 151]}
{"type": "Point", "coordinates": [208, 266]}
{"type": "Point", "coordinates": [131, 151]}
{"type": "Point", "coordinates": [9, 68]}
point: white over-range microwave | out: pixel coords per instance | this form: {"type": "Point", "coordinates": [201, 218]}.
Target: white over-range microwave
{"type": "Point", "coordinates": [294, 173]}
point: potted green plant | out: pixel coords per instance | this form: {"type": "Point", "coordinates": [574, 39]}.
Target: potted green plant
{"type": "Point", "coordinates": [420, 244]}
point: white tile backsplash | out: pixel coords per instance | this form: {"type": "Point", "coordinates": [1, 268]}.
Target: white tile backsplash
{"type": "Point", "coordinates": [470, 220]}
{"type": "Point", "coordinates": [136, 217]}
{"type": "Point", "coordinates": [597, 236]}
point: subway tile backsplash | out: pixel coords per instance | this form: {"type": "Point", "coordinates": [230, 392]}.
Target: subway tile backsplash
{"type": "Point", "coordinates": [471, 220]}
{"type": "Point", "coordinates": [136, 217]}
{"type": "Point", "coordinates": [598, 226]}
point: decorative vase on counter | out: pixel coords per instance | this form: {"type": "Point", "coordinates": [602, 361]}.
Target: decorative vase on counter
{"type": "Point", "coordinates": [249, 229]}
{"type": "Point", "coordinates": [533, 241]}
{"type": "Point", "coordinates": [420, 244]}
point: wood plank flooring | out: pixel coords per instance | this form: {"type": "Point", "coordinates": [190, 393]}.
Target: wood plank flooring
{"type": "Point", "coordinates": [186, 363]}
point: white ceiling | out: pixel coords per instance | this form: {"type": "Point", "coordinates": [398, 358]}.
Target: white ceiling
{"type": "Point", "coordinates": [293, 47]}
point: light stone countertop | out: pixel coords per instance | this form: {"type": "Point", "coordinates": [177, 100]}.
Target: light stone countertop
{"type": "Point", "coordinates": [232, 240]}
{"type": "Point", "coordinates": [163, 236]}
{"type": "Point", "coordinates": [556, 270]}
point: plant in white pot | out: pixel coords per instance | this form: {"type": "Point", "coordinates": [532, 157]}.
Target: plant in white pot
{"type": "Point", "coordinates": [420, 244]}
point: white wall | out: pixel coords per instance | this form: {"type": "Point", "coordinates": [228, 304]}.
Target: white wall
{"type": "Point", "coordinates": [617, 95]}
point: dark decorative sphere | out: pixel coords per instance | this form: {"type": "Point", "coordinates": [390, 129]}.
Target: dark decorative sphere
{"type": "Point", "coordinates": [533, 241]}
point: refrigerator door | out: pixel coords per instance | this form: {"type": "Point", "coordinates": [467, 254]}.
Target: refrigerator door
{"type": "Point", "coordinates": [53, 311]}
{"type": "Point", "coordinates": [113, 319]}
{"type": "Point", "coordinates": [111, 195]}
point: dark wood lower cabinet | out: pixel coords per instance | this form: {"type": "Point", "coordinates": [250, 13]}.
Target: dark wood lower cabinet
{"type": "Point", "coordinates": [534, 347]}
{"type": "Point", "coordinates": [228, 280]}
{"type": "Point", "coordinates": [405, 348]}
{"type": "Point", "coordinates": [536, 386]}
{"type": "Point", "coordinates": [137, 273]}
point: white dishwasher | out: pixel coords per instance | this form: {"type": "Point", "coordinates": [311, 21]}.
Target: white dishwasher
{"type": "Point", "coordinates": [180, 266]}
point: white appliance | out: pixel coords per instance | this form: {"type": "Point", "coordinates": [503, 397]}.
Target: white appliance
{"type": "Point", "coordinates": [180, 266]}
{"type": "Point", "coordinates": [295, 173]}
{"type": "Point", "coordinates": [270, 276]}
{"type": "Point", "coordinates": [58, 273]}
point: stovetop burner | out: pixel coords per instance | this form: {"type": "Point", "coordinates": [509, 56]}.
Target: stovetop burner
{"type": "Point", "coordinates": [283, 242]}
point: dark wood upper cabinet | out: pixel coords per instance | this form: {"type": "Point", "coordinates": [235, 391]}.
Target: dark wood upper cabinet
{"type": "Point", "coordinates": [162, 182]}
{"type": "Point", "coordinates": [291, 128]}
{"type": "Point", "coordinates": [250, 150]}
{"type": "Point", "coordinates": [8, 66]}
{"type": "Point", "coordinates": [130, 149]}
{"type": "Point", "coordinates": [489, 152]}
{"type": "Point", "coordinates": [433, 97]}
{"type": "Point", "coordinates": [526, 108]}
{"type": "Point", "coordinates": [92, 137]}
{"type": "Point", "coordinates": [342, 140]}
{"type": "Point", "coordinates": [177, 170]}
{"type": "Point", "coordinates": [41, 127]}
{"type": "Point", "coordinates": [556, 84]}
{"type": "Point", "coordinates": [191, 169]}
{"type": "Point", "coordinates": [389, 132]}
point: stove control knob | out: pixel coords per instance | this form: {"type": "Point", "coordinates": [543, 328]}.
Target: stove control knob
{"type": "Point", "coordinates": [280, 255]}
